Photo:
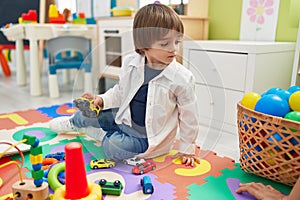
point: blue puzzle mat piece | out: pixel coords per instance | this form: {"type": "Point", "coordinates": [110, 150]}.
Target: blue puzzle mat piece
{"type": "Point", "coordinates": [66, 109]}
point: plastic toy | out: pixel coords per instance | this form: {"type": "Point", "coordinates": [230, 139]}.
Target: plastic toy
{"type": "Point", "coordinates": [75, 172]}
{"type": "Point", "coordinates": [47, 162]}
{"type": "Point", "coordinates": [250, 99]}
{"type": "Point", "coordinates": [57, 155]}
{"type": "Point", "coordinates": [55, 16]}
{"type": "Point", "coordinates": [272, 104]}
{"type": "Point", "coordinates": [102, 163]}
{"type": "Point", "coordinates": [30, 17]}
{"type": "Point", "coordinates": [273, 90]}
{"type": "Point", "coordinates": [87, 107]}
{"type": "Point", "coordinates": [147, 185]}
{"type": "Point", "coordinates": [293, 115]}
{"type": "Point", "coordinates": [284, 94]}
{"type": "Point", "coordinates": [294, 101]}
{"type": "Point", "coordinates": [80, 19]}
{"type": "Point", "coordinates": [28, 189]}
{"type": "Point", "coordinates": [294, 88]}
{"type": "Point", "coordinates": [144, 167]}
{"type": "Point", "coordinates": [133, 161]}
{"type": "Point", "coordinates": [53, 173]}
{"type": "Point", "coordinates": [112, 188]}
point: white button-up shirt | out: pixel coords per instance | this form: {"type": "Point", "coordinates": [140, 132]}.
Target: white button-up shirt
{"type": "Point", "coordinates": [171, 104]}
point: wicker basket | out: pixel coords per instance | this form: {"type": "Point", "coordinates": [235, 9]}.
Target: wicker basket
{"type": "Point", "coordinates": [269, 146]}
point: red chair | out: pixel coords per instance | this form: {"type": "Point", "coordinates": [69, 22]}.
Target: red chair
{"type": "Point", "coordinates": [3, 61]}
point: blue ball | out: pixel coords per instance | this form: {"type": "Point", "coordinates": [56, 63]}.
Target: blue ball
{"type": "Point", "coordinates": [284, 94]}
{"type": "Point", "coordinates": [273, 90]}
{"type": "Point", "coordinates": [294, 88]}
{"type": "Point", "coordinates": [272, 104]}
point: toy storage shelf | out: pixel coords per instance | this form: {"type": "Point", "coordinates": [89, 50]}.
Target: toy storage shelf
{"type": "Point", "coordinates": [226, 70]}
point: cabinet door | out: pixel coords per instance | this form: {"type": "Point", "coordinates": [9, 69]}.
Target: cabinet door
{"type": "Point", "coordinates": [217, 107]}
{"type": "Point", "coordinates": [221, 69]}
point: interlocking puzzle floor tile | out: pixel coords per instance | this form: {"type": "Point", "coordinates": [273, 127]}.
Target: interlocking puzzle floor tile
{"type": "Point", "coordinates": [172, 171]}
{"type": "Point", "coordinates": [217, 188]}
{"type": "Point", "coordinates": [66, 109]}
{"type": "Point", "coordinates": [22, 118]}
{"type": "Point", "coordinates": [171, 179]}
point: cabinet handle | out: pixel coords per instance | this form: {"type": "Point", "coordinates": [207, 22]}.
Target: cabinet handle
{"type": "Point", "coordinates": [211, 103]}
{"type": "Point", "coordinates": [111, 31]}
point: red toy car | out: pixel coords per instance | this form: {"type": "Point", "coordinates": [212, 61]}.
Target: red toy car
{"type": "Point", "coordinates": [144, 167]}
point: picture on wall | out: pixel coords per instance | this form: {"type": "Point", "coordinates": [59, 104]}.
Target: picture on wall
{"type": "Point", "coordinates": [259, 20]}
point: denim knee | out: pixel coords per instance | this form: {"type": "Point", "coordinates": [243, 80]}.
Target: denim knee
{"type": "Point", "coordinates": [114, 148]}
{"type": "Point", "coordinates": [119, 146]}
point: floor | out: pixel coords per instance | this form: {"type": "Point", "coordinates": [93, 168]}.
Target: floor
{"type": "Point", "coordinates": [16, 98]}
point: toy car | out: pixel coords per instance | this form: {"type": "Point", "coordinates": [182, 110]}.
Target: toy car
{"type": "Point", "coordinates": [144, 167]}
{"type": "Point", "coordinates": [133, 161]}
{"type": "Point", "coordinates": [112, 188]}
{"type": "Point", "coordinates": [147, 185]}
{"type": "Point", "coordinates": [57, 155]}
{"type": "Point", "coordinates": [102, 163]}
{"type": "Point", "coordinates": [87, 107]}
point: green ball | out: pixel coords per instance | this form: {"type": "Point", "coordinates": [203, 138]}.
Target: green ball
{"type": "Point", "coordinates": [294, 115]}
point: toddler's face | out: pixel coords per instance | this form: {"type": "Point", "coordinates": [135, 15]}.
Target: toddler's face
{"type": "Point", "coordinates": [164, 50]}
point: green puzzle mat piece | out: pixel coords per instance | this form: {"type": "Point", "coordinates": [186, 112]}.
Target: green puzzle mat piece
{"type": "Point", "coordinates": [216, 187]}
{"type": "Point", "coordinates": [87, 146]}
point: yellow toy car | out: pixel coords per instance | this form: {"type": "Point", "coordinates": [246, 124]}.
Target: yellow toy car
{"type": "Point", "coordinates": [102, 163]}
{"type": "Point", "coordinates": [87, 107]}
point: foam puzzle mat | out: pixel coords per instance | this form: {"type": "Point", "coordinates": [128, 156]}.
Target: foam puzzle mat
{"type": "Point", "coordinates": [214, 178]}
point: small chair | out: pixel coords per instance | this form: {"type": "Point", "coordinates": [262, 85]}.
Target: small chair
{"type": "Point", "coordinates": [68, 52]}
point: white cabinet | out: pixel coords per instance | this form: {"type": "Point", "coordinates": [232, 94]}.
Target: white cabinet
{"type": "Point", "coordinates": [115, 41]}
{"type": "Point", "coordinates": [226, 70]}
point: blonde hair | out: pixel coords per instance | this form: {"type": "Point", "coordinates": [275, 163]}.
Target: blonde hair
{"type": "Point", "coordinates": [152, 22]}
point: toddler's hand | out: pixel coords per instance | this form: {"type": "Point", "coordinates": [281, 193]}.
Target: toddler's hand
{"type": "Point", "coordinates": [261, 191]}
{"type": "Point", "coordinates": [187, 159]}
{"type": "Point", "coordinates": [98, 101]}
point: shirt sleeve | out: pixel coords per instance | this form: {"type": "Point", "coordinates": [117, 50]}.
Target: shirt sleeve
{"type": "Point", "coordinates": [188, 117]}
{"type": "Point", "coordinates": [112, 98]}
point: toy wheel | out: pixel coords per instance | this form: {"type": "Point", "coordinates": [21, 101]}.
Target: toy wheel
{"type": "Point", "coordinates": [110, 166]}
{"type": "Point", "coordinates": [142, 182]}
{"type": "Point", "coordinates": [153, 167]}
{"type": "Point", "coordinates": [117, 183]}
{"type": "Point", "coordinates": [95, 167]}
{"type": "Point", "coordinates": [142, 172]}
{"type": "Point", "coordinates": [102, 182]}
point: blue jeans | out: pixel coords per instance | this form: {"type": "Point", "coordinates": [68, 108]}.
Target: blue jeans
{"type": "Point", "coordinates": [120, 141]}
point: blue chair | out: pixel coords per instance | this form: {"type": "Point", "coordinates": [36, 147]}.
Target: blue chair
{"type": "Point", "coordinates": [68, 52]}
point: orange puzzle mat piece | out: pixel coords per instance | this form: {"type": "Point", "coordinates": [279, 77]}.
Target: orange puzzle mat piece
{"type": "Point", "coordinates": [21, 118]}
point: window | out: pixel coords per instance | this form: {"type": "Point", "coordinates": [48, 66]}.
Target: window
{"type": "Point", "coordinates": [62, 4]}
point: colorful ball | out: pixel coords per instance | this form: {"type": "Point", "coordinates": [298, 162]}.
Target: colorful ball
{"type": "Point", "coordinates": [284, 94]}
{"type": "Point", "coordinates": [293, 115]}
{"type": "Point", "coordinates": [273, 90]}
{"type": "Point", "coordinates": [272, 104]}
{"type": "Point", "coordinates": [250, 99]}
{"type": "Point", "coordinates": [294, 101]}
{"type": "Point", "coordinates": [294, 88]}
